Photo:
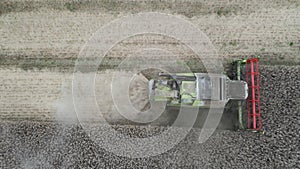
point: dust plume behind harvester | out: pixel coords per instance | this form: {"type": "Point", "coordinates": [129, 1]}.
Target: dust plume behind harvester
{"type": "Point", "coordinates": [202, 90]}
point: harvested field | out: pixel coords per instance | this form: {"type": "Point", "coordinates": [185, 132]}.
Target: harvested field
{"type": "Point", "coordinates": [39, 45]}
{"type": "Point", "coordinates": [49, 34]}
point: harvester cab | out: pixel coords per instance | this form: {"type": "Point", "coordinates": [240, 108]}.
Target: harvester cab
{"type": "Point", "coordinates": [212, 90]}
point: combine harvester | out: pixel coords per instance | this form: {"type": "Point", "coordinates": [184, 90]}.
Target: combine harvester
{"type": "Point", "coordinates": [201, 90]}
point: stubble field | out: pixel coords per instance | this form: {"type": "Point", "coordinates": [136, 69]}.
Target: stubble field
{"type": "Point", "coordinates": [39, 45]}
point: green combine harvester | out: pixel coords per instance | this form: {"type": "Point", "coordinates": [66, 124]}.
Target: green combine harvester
{"type": "Point", "coordinates": [202, 90]}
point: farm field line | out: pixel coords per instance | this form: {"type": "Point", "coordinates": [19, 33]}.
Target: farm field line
{"type": "Point", "coordinates": [54, 34]}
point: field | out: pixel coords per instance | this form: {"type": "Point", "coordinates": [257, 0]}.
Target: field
{"type": "Point", "coordinates": [40, 41]}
